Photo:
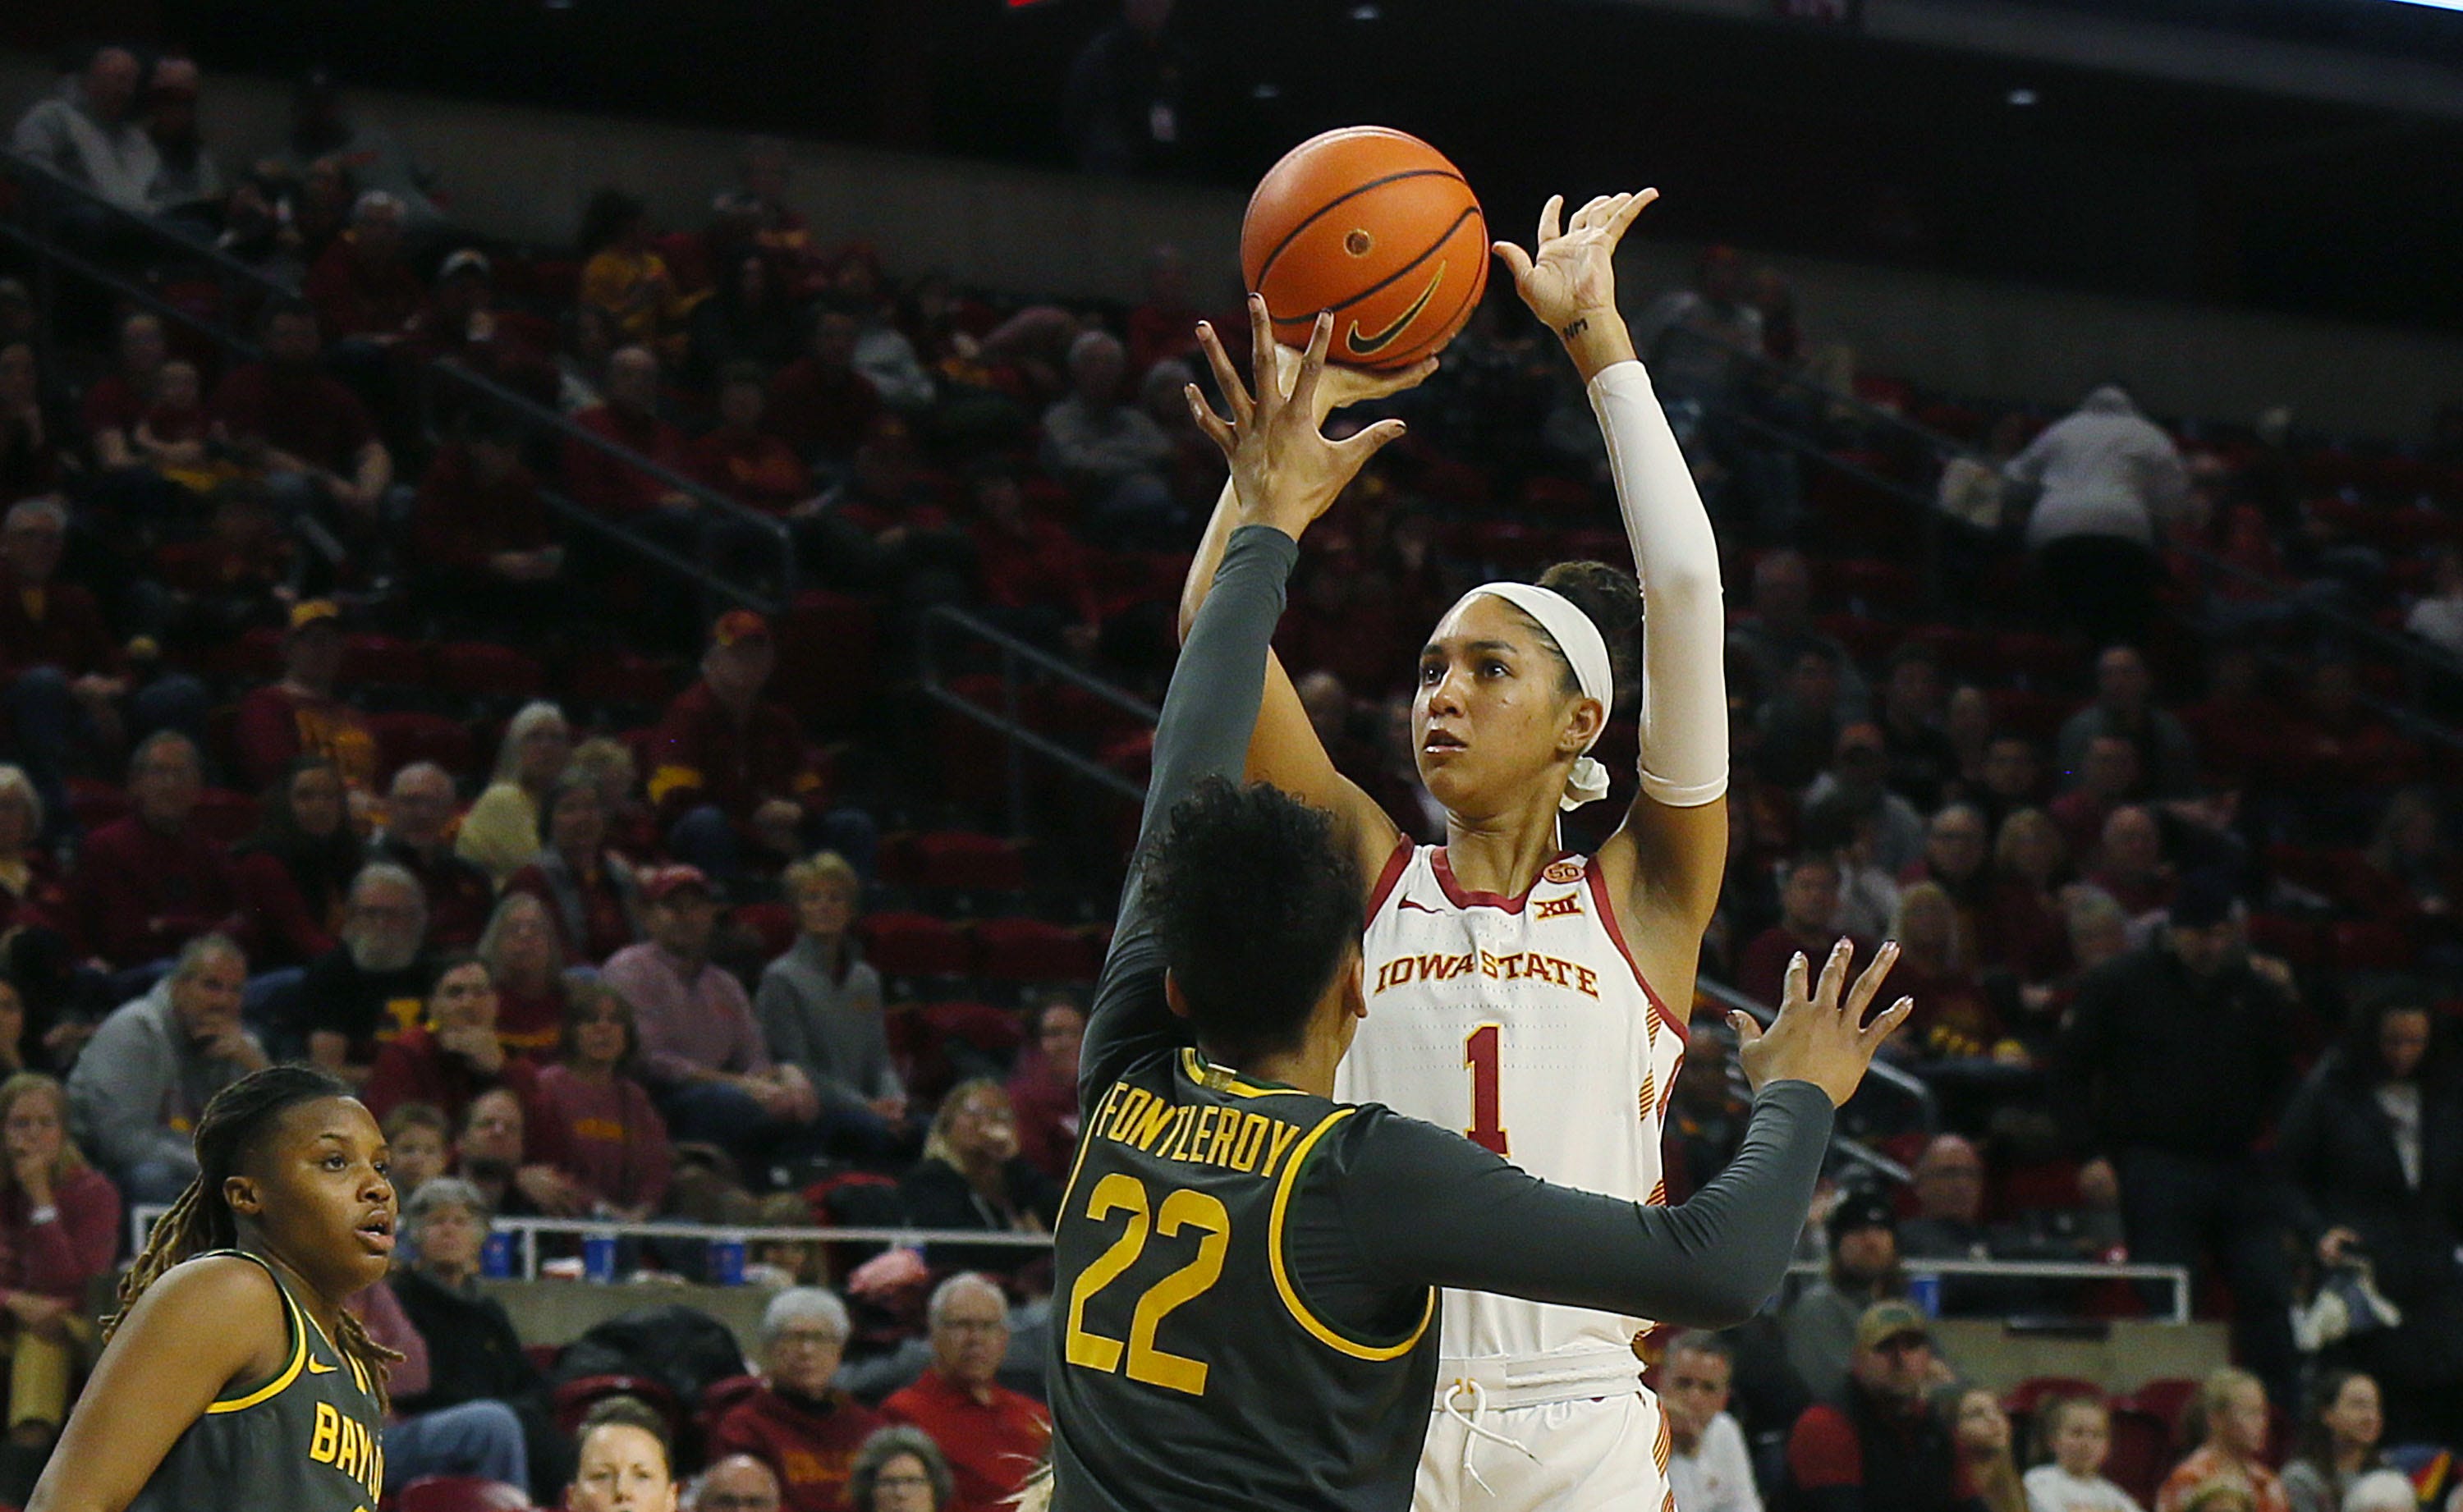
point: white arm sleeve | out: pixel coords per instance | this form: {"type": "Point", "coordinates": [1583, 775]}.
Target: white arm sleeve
{"type": "Point", "coordinates": [1684, 643]}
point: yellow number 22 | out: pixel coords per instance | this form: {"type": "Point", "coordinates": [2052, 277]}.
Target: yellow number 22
{"type": "Point", "coordinates": [1182, 1209]}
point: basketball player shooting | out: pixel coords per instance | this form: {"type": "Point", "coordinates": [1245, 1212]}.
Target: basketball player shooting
{"type": "Point", "coordinates": [1244, 1266]}
{"type": "Point", "coordinates": [1515, 992]}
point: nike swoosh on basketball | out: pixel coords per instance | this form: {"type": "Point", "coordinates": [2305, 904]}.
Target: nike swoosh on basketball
{"type": "Point", "coordinates": [314, 1368]}
{"type": "Point", "coordinates": [1369, 346]}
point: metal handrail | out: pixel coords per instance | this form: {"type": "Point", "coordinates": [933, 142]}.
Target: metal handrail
{"type": "Point", "coordinates": [214, 257]}
{"type": "Point", "coordinates": [1914, 1088]}
{"type": "Point", "coordinates": [1008, 721]}
{"type": "Point", "coordinates": [2177, 1276]}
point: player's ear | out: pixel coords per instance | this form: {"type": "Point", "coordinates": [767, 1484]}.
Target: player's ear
{"type": "Point", "coordinates": [1355, 991]}
{"type": "Point", "coordinates": [240, 1195]}
{"type": "Point", "coordinates": [1173, 997]}
{"type": "Point", "coordinates": [1582, 725]}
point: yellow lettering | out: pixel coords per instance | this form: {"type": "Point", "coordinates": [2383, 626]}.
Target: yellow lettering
{"type": "Point", "coordinates": [375, 1469]}
{"type": "Point", "coordinates": [1252, 1141]}
{"type": "Point", "coordinates": [1124, 1115]}
{"type": "Point", "coordinates": [1227, 1131]}
{"type": "Point", "coordinates": [1284, 1134]}
{"type": "Point", "coordinates": [1201, 1131]}
{"type": "Point", "coordinates": [1149, 1124]}
{"type": "Point", "coordinates": [329, 1424]}
{"type": "Point", "coordinates": [346, 1453]}
{"type": "Point", "coordinates": [1176, 1143]}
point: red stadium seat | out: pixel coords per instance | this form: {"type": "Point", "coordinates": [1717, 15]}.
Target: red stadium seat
{"type": "Point", "coordinates": [405, 735]}
{"type": "Point", "coordinates": [1029, 950]}
{"type": "Point", "coordinates": [571, 1401]}
{"type": "Point", "coordinates": [2032, 1391]}
{"type": "Point", "coordinates": [2142, 1454]}
{"type": "Point", "coordinates": [458, 1494]}
{"type": "Point", "coordinates": [542, 1356]}
{"type": "Point", "coordinates": [773, 922]}
{"type": "Point", "coordinates": [224, 817]}
{"type": "Point", "coordinates": [828, 651]}
{"type": "Point", "coordinates": [963, 861]}
{"type": "Point", "coordinates": [2164, 1400]}
{"type": "Point", "coordinates": [619, 678]}
{"type": "Point", "coordinates": [94, 803]}
{"type": "Point", "coordinates": [915, 945]}
{"type": "Point", "coordinates": [384, 660]}
{"type": "Point", "coordinates": [2296, 940]}
{"type": "Point", "coordinates": [479, 669]}
{"type": "Point", "coordinates": [978, 1026]}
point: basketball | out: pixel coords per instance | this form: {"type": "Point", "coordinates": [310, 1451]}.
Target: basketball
{"type": "Point", "coordinates": [1377, 226]}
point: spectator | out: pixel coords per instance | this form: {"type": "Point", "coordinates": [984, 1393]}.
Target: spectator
{"type": "Point", "coordinates": [614, 1142]}
{"type": "Point", "coordinates": [1856, 779]}
{"type": "Point", "coordinates": [1043, 1088]}
{"type": "Point", "coordinates": [1125, 94]}
{"type": "Point", "coordinates": [701, 1051]}
{"type": "Point", "coordinates": [2125, 706]}
{"type": "Point", "coordinates": [1033, 572]}
{"type": "Point", "coordinates": [474, 1350]}
{"type": "Point", "coordinates": [2130, 863]}
{"type": "Point", "coordinates": [735, 1483]}
{"type": "Point", "coordinates": [972, 1177]}
{"type": "Point", "coordinates": [117, 400]}
{"type": "Point", "coordinates": [798, 1422]}
{"type": "Point", "coordinates": [453, 1053]}
{"type": "Point", "coordinates": [1955, 1020]}
{"type": "Point", "coordinates": [293, 874]}
{"type": "Point", "coordinates": [38, 447]}
{"type": "Point", "coordinates": [901, 1469]}
{"type": "Point", "coordinates": [592, 895]}
{"type": "Point", "coordinates": [306, 435]}
{"type": "Point", "coordinates": [1879, 1442]}
{"type": "Point", "coordinates": [741, 459]}
{"type": "Point", "coordinates": [148, 884]}
{"type": "Point", "coordinates": [2229, 1418]}
{"type": "Point", "coordinates": [2372, 1146]}
{"type": "Point", "coordinates": [820, 1012]}
{"type": "Point", "coordinates": [1808, 924]}
{"type": "Point", "coordinates": [820, 404]}
{"type": "Point", "coordinates": [1950, 1204]}
{"type": "Point", "coordinates": [1922, 762]}
{"type": "Point", "coordinates": [993, 1436]}
{"type": "Point", "coordinates": [1958, 856]}
{"type": "Point", "coordinates": [1822, 1326]}
{"type": "Point", "coordinates": [629, 419]}
{"type": "Point", "coordinates": [730, 766]}
{"type": "Point", "coordinates": [59, 1229]}
{"type": "Point", "coordinates": [418, 838]}
{"type": "Point", "coordinates": [302, 715]}
{"type": "Point", "coordinates": [1702, 337]}
{"type": "Point", "coordinates": [2105, 482]}
{"type": "Point", "coordinates": [1165, 328]}
{"type": "Point", "coordinates": [87, 133]}
{"type": "Point", "coordinates": [2190, 1050]}
{"type": "Point", "coordinates": [1706, 1120]}
{"type": "Point", "coordinates": [2077, 1432]}
{"type": "Point", "coordinates": [149, 1070]}
{"type": "Point", "coordinates": [2024, 930]}
{"type": "Point", "coordinates": [2108, 777]}
{"type": "Point", "coordinates": [626, 280]}
{"type": "Point", "coordinates": [361, 287]}
{"type": "Point", "coordinates": [1106, 451]}
{"type": "Point", "coordinates": [1708, 1468]}
{"type": "Point", "coordinates": [243, 575]}
{"type": "Point", "coordinates": [749, 319]}
{"type": "Point", "coordinates": [482, 1439]}
{"type": "Point", "coordinates": [480, 531]}
{"type": "Point", "coordinates": [61, 678]}
{"type": "Point", "coordinates": [2436, 616]}
{"type": "Point", "coordinates": [2013, 777]}
{"type": "Point", "coordinates": [36, 958]}
{"type": "Point", "coordinates": [366, 992]}
{"type": "Point", "coordinates": [420, 1140]}
{"type": "Point", "coordinates": [883, 352]}
{"type": "Point", "coordinates": [171, 437]}
{"type": "Point", "coordinates": [501, 831]}
{"type": "Point", "coordinates": [493, 1152]}
{"type": "Point", "coordinates": [2337, 1443]}
{"type": "Point", "coordinates": [323, 131]}
{"type": "Point", "coordinates": [1980, 1430]}
{"type": "Point", "coordinates": [2388, 1490]}
{"type": "Point", "coordinates": [532, 992]}
{"type": "Point", "coordinates": [625, 1461]}
{"type": "Point", "coordinates": [2338, 742]}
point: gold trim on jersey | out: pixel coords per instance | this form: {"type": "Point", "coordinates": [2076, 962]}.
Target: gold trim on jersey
{"type": "Point", "coordinates": [1322, 1331]}
{"type": "Point", "coordinates": [300, 1324]}
{"type": "Point", "coordinates": [1087, 1141]}
{"type": "Point", "coordinates": [1215, 1079]}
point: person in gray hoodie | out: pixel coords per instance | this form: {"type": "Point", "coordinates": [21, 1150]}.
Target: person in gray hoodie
{"type": "Point", "coordinates": [820, 1007]}
{"type": "Point", "coordinates": [151, 1068]}
{"type": "Point", "coordinates": [2105, 481]}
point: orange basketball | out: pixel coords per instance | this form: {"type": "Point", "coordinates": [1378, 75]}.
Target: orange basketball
{"type": "Point", "coordinates": [1377, 226]}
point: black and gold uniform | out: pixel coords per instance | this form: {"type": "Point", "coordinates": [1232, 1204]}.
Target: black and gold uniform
{"type": "Point", "coordinates": [1245, 1273]}
{"type": "Point", "coordinates": [308, 1438]}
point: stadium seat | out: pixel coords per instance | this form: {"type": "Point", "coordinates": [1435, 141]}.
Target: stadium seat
{"type": "Point", "coordinates": [623, 679]}
{"type": "Point", "coordinates": [828, 654]}
{"type": "Point", "coordinates": [2296, 940]}
{"type": "Point", "coordinates": [571, 1401]}
{"type": "Point", "coordinates": [2141, 1455]}
{"type": "Point", "coordinates": [2032, 1391]}
{"type": "Point", "coordinates": [962, 861]}
{"type": "Point", "coordinates": [542, 1356]}
{"type": "Point", "coordinates": [384, 661]}
{"type": "Point", "coordinates": [2164, 1400]}
{"type": "Point", "coordinates": [1029, 950]}
{"type": "Point", "coordinates": [479, 669]}
{"type": "Point", "coordinates": [998, 1032]}
{"type": "Point", "coordinates": [405, 735]}
{"type": "Point", "coordinates": [96, 803]}
{"type": "Point", "coordinates": [901, 944]}
{"type": "Point", "coordinates": [2369, 945]}
{"type": "Point", "coordinates": [773, 922]}
{"type": "Point", "coordinates": [2048, 660]}
{"type": "Point", "coordinates": [459, 1494]}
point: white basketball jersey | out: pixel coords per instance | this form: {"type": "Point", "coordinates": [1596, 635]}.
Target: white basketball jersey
{"type": "Point", "coordinates": [1524, 1023]}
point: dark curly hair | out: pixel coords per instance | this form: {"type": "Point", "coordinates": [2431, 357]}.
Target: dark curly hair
{"type": "Point", "coordinates": [1612, 599]}
{"type": "Point", "coordinates": [1256, 907]}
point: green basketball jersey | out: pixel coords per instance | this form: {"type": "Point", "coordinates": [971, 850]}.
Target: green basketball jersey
{"type": "Point", "coordinates": [309, 1438]}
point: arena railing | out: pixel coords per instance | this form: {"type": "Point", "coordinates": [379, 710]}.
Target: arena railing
{"type": "Point", "coordinates": [2419, 661]}
{"type": "Point", "coordinates": [46, 192]}
{"type": "Point", "coordinates": [1016, 660]}
{"type": "Point", "coordinates": [1883, 1080]}
{"type": "Point", "coordinates": [2175, 1278]}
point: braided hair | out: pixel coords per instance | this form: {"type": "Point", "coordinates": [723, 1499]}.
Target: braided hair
{"type": "Point", "coordinates": [235, 1123]}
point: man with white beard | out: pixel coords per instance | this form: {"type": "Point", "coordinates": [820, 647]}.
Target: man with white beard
{"type": "Point", "coordinates": [374, 985]}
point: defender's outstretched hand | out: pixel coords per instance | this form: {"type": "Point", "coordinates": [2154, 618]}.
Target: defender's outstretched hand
{"type": "Point", "coordinates": [1822, 1037]}
{"type": "Point", "coordinates": [1570, 275]}
{"type": "Point", "coordinates": [1283, 469]}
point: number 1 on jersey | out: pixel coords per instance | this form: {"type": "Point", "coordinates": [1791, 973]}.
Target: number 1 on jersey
{"type": "Point", "coordinates": [1480, 1054]}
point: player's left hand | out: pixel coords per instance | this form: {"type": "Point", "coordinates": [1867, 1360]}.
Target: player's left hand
{"type": "Point", "coordinates": [1821, 1035]}
{"type": "Point", "coordinates": [1570, 275]}
{"type": "Point", "coordinates": [1284, 471]}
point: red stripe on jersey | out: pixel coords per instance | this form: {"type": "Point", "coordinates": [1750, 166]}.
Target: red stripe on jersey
{"type": "Point", "coordinates": [1616, 936]}
{"type": "Point", "coordinates": [1389, 878]}
{"type": "Point", "coordinates": [1462, 897]}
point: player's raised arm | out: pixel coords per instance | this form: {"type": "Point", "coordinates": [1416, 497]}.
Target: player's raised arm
{"type": "Point", "coordinates": [1431, 1207]}
{"type": "Point", "coordinates": [1665, 863]}
{"type": "Point", "coordinates": [1284, 475]}
{"type": "Point", "coordinates": [1284, 750]}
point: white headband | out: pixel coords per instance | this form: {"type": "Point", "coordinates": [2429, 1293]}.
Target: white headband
{"type": "Point", "coordinates": [1587, 651]}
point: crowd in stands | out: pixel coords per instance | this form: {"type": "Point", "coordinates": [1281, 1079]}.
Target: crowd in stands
{"type": "Point", "coordinates": [2133, 779]}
